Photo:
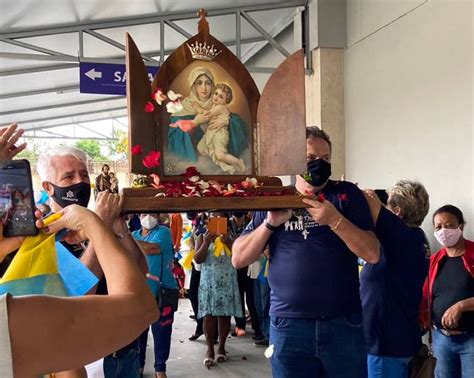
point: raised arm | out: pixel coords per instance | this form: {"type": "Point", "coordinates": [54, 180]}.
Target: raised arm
{"type": "Point", "coordinates": [86, 328]}
{"type": "Point", "coordinates": [202, 246]}
{"type": "Point", "coordinates": [247, 248]}
{"type": "Point", "coordinates": [8, 137]}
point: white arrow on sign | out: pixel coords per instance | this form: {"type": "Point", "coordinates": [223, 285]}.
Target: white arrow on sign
{"type": "Point", "coordinates": [93, 74]}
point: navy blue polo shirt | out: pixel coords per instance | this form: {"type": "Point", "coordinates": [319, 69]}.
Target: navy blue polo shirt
{"type": "Point", "coordinates": [391, 290]}
{"type": "Point", "coordinates": [311, 272]}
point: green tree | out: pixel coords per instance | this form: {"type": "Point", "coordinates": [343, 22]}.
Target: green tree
{"type": "Point", "coordinates": [31, 151]}
{"type": "Point", "coordinates": [91, 148]}
{"type": "Point", "coordinates": [119, 146]}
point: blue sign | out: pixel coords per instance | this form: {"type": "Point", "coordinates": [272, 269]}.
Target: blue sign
{"type": "Point", "coordinates": [103, 78]}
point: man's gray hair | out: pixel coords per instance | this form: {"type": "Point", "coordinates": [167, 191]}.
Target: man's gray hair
{"type": "Point", "coordinates": [412, 199]}
{"type": "Point", "coordinates": [43, 166]}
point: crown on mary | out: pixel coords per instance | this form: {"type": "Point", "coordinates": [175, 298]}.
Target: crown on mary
{"type": "Point", "coordinates": [202, 51]}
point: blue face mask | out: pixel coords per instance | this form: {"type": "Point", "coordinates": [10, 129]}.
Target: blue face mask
{"type": "Point", "coordinates": [320, 171]}
{"type": "Point", "coordinates": [77, 194]}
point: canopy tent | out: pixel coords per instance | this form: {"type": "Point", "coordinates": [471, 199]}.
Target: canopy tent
{"type": "Point", "coordinates": [42, 44]}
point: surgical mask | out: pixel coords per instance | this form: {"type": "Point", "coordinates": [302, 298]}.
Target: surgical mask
{"type": "Point", "coordinates": [148, 222]}
{"type": "Point", "coordinates": [448, 237]}
{"type": "Point", "coordinates": [77, 194]}
{"type": "Point", "coordinates": [320, 171]}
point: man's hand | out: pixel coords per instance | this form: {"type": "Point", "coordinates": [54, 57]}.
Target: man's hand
{"type": "Point", "coordinates": [277, 218]}
{"type": "Point", "coordinates": [323, 212]}
{"type": "Point", "coordinates": [8, 137]}
{"type": "Point", "coordinates": [108, 207]}
{"type": "Point", "coordinates": [451, 316]}
{"type": "Point", "coordinates": [303, 187]}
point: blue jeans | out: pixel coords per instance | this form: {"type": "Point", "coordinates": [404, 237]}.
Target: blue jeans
{"type": "Point", "coordinates": [161, 330]}
{"type": "Point", "coordinates": [262, 304]}
{"type": "Point", "coordinates": [123, 364]}
{"type": "Point", "coordinates": [326, 347]}
{"type": "Point", "coordinates": [454, 355]}
{"type": "Point", "coordinates": [387, 367]}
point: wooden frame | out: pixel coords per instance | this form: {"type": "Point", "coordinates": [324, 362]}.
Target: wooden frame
{"type": "Point", "coordinates": [275, 123]}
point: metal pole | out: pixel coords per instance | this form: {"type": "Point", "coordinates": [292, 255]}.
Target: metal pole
{"type": "Point", "coordinates": [238, 36]}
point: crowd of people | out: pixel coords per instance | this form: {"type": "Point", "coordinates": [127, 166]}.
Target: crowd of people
{"type": "Point", "coordinates": [295, 271]}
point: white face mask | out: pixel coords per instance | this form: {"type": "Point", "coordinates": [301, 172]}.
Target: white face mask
{"type": "Point", "coordinates": [448, 237]}
{"type": "Point", "coordinates": [148, 222]}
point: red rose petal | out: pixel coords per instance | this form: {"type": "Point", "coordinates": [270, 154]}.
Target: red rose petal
{"type": "Point", "coordinates": [149, 107]}
{"type": "Point", "coordinates": [137, 149]}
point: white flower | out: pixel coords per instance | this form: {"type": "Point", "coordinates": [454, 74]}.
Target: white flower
{"type": "Point", "coordinates": [173, 96]}
{"type": "Point", "coordinates": [174, 106]}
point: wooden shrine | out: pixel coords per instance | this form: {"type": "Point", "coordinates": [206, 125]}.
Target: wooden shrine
{"type": "Point", "coordinates": [204, 110]}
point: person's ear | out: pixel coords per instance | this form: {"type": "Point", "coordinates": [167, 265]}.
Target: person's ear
{"type": "Point", "coordinates": [48, 188]}
{"type": "Point", "coordinates": [397, 211]}
{"type": "Point", "coordinates": [461, 226]}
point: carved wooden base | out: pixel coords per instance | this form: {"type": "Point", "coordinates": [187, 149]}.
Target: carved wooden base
{"type": "Point", "coordinates": [143, 200]}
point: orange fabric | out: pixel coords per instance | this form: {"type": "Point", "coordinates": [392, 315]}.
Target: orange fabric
{"type": "Point", "coordinates": [176, 227]}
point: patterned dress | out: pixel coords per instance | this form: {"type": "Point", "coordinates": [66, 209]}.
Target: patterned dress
{"type": "Point", "coordinates": [218, 290]}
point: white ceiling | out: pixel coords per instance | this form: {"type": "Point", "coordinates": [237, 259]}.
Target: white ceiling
{"type": "Point", "coordinates": [55, 25]}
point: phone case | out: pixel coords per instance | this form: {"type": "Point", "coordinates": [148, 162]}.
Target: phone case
{"type": "Point", "coordinates": [218, 225]}
{"type": "Point", "coordinates": [17, 199]}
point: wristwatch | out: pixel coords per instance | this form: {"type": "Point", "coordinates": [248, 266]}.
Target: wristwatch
{"type": "Point", "coordinates": [270, 227]}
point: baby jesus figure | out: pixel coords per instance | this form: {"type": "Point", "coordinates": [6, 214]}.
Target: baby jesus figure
{"type": "Point", "coordinates": [216, 138]}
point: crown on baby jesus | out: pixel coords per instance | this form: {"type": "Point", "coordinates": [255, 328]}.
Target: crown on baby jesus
{"type": "Point", "coordinates": [202, 51]}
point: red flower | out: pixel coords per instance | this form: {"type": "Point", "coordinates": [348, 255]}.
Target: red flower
{"type": "Point", "coordinates": [190, 172]}
{"type": "Point", "coordinates": [149, 107]}
{"type": "Point", "coordinates": [342, 197]}
{"type": "Point", "coordinates": [152, 159]}
{"type": "Point", "coordinates": [321, 197]}
{"type": "Point", "coordinates": [137, 150]}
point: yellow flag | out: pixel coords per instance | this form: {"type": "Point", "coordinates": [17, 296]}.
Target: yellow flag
{"type": "Point", "coordinates": [36, 256]}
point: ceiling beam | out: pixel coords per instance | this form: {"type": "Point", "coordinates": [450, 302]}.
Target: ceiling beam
{"type": "Point", "coordinates": [141, 20]}
{"type": "Point", "coordinates": [62, 105]}
{"type": "Point", "coordinates": [22, 71]}
{"type": "Point", "coordinates": [116, 60]}
{"type": "Point", "coordinates": [29, 46]}
{"type": "Point", "coordinates": [69, 123]}
{"type": "Point", "coordinates": [32, 92]}
{"type": "Point", "coordinates": [112, 42]}
{"type": "Point", "coordinates": [62, 116]}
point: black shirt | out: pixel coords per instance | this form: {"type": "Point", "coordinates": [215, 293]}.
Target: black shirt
{"type": "Point", "coordinates": [452, 284]}
{"type": "Point", "coordinates": [391, 290]}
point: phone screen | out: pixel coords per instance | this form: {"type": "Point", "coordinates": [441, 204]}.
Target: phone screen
{"type": "Point", "coordinates": [16, 198]}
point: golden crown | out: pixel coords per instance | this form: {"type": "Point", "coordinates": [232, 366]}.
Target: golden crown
{"type": "Point", "coordinates": [202, 51]}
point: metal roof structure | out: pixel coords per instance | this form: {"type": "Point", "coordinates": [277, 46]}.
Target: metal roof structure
{"type": "Point", "coordinates": [43, 42]}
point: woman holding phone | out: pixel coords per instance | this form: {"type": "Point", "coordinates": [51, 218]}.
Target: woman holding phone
{"type": "Point", "coordinates": [218, 290]}
{"type": "Point", "coordinates": [29, 344]}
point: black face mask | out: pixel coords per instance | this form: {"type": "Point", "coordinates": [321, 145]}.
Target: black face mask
{"type": "Point", "coordinates": [77, 194]}
{"type": "Point", "coordinates": [320, 171]}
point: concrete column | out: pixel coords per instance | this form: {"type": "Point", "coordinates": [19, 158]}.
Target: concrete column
{"type": "Point", "coordinates": [325, 101]}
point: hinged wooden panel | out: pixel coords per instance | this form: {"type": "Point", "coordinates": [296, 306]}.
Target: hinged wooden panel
{"type": "Point", "coordinates": [141, 124]}
{"type": "Point", "coordinates": [281, 121]}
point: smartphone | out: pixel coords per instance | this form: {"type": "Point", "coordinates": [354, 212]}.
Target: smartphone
{"type": "Point", "coordinates": [217, 225]}
{"type": "Point", "coordinates": [17, 204]}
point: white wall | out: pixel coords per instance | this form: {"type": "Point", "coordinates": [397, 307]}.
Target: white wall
{"type": "Point", "coordinates": [409, 98]}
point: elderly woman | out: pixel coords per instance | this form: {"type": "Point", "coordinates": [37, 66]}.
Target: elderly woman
{"type": "Point", "coordinates": [450, 288]}
{"type": "Point", "coordinates": [183, 143]}
{"type": "Point", "coordinates": [42, 334]}
{"type": "Point", "coordinates": [391, 290]}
